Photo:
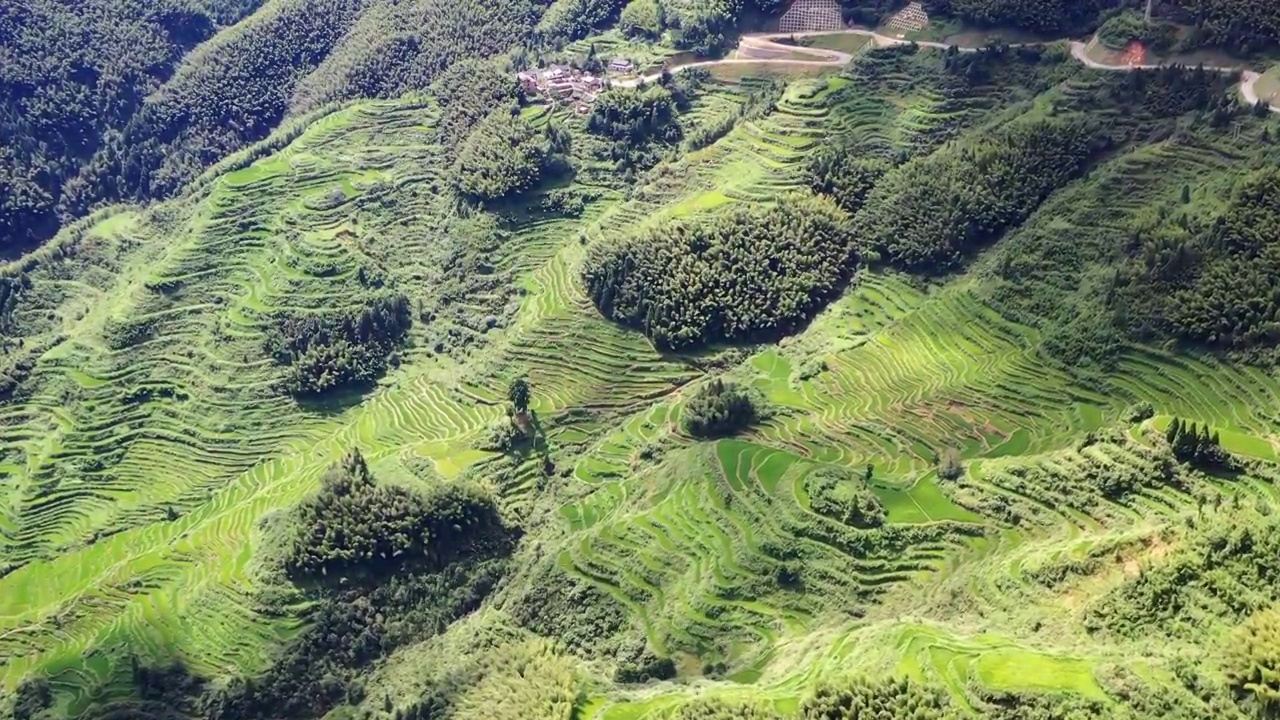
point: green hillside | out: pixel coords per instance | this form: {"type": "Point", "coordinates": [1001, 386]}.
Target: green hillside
{"type": "Point", "coordinates": [940, 385]}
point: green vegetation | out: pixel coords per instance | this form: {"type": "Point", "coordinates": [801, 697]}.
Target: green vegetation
{"type": "Point", "coordinates": [1044, 16]}
{"type": "Point", "coordinates": [1005, 473]}
{"type": "Point", "coordinates": [642, 19]}
{"type": "Point", "coordinates": [355, 525]}
{"type": "Point", "coordinates": [639, 122]}
{"type": "Point", "coordinates": [1195, 446]}
{"type": "Point", "coordinates": [986, 186]}
{"type": "Point", "coordinates": [1242, 25]}
{"type": "Point", "coordinates": [755, 273]}
{"type": "Point", "coordinates": [503, 155]}
{"type": "Point", "coordinates": [839, 494]}
{"type": "Point", "coordinates": [1130, 26]}
{"type": "Point", "coordinates": [1253, 658]}
{"type": "Point", "coordinates": [846, 174]}
{"type": "Point", "coordinates": [718, 409]}
{"type": "Point", "coordinates": [74, 75]}
{"type": "Point", "coordinates": [1218, 576]}
{"type": "Point", "coordinates": [1200, 277]}
{"type": "Point", "coordinates": [326, 351]}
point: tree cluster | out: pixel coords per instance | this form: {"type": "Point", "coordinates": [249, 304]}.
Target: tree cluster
{"type": "Point", "coordinates": [468, 92]}
{"type": "Point", "coordinates": [349, 629]}
{"type": "Point", "coordinates": [563, 606]}
{"type": "Point", "coordinates": [1115, 470]}
{"type": "Point", "coordinates": [744, 274]}
{"type": "Point", "coordinates": [761, 100]}
{"type": "Point", "coordinates": [927, 214]}
{"type": "Point", "coordinates": [234, 91]}
{"type": "Point", "coordinates": [329, 350]}
{"type": "Point", "coordinates": [1195, 445]}
{"type": "Point", "coordinates": [504, 155]}
{"type": "Point", "coordinates": [718, 409]}
{"type": "Point", "coordinates": [1131, 26]}
{"type": "Point", "coordinates": [403, 46]}
{"type": "Point", "coordinates": [1041, 16]}
{"type": "Point", "coordinates": [842, 496]}
{"type": "Point", "coordinates": [355, 526]}
{"type": "Point", "coordinates": [104, 100]}
{"type": "Point", "coordinates": [893, 698]}
{"type": "Point", "coordinates": [642, 19]}
{"type": "Point", "coordinates": [854, 699]}
{"type": "Point", "coordinates": [522, 679]}
{"type": "Point", "coordinates": [568, 20]}
{"type": "Point", "coordinates": [639, 122]}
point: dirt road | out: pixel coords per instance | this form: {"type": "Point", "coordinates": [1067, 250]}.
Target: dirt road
{"type": "Point", "coordinates": [764, 49]}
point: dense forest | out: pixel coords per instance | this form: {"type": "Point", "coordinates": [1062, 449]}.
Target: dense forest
{"type": "Point", "coordinates": [719, 409]}
{"type": "Point", "coordinates": [358, 528]}
{"type": "Point", "coordinates": [502, 156]}
{"type": "Point", "coordinates": [72, 77]}
{"type": "Point", "coordinates": [746, 274]}
{"type": "Point", "coordinates": [1043, 16]}
{"type": "Point", "coordinates": [1244, 26]}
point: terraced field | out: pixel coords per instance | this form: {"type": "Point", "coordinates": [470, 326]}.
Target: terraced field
{"type": "Point", "coordinates": [155, 443]}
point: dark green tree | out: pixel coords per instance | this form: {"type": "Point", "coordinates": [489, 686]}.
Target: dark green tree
{"type": "Point", "coordinates": [718, 409]}
{"type": "Point", "coordinates": [519, 394]}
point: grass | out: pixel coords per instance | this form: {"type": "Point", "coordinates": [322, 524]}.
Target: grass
{"type": "Point", "coordinates": [685, 536]}
{"type": "Point", "coordinates": [1268, 87]}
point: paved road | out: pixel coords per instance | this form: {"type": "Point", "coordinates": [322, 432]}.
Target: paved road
{"type": "Point", "coordinates": [763, 49]}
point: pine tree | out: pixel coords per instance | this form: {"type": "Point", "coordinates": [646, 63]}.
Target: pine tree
{"type": "Point", "coordinates": [1204, 445]}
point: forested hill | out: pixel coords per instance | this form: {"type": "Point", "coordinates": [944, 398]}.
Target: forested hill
{"type": "Point", "coordinates": [127, 100]}
{"type": "Point", "coordinates": [72, 72]}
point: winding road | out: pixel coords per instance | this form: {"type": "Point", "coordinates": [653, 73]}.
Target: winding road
{"type": "Point", "coordinates": [764, 49]}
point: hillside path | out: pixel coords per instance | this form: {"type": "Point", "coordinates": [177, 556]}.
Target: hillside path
{"type": "Point", "coordinates": [764, 49]}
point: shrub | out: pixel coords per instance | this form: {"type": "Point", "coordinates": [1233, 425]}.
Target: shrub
{"type": "Point", "coordinates": [718, 409]}
{"type": "Point", "coordinates": [1252, 662]}
{"type": "Point", "coordinates": [949, 466]}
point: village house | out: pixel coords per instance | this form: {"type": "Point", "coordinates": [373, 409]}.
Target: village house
{"type": "Point", "coordinates": [561, 83]}
{"type": "Point", "coordinates": [621, 65]}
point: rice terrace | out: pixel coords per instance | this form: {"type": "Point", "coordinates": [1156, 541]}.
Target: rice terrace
{"type": "Point", "coordinates": [584, 360]}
